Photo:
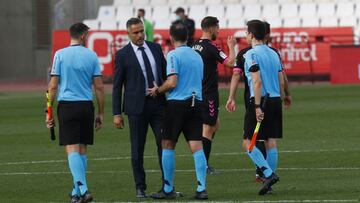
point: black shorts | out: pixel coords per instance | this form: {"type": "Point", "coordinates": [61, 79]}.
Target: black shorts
{"type": "Point", "coordinates": [210, 108]}
{"type": "Point", "coordinates": [271, 126]}
{"type": "Point", "coordinates": [181, 117]}
{"type": "Point", "coordinates": [76, 122]}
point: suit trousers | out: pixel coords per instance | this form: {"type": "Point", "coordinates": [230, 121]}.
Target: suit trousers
{"type": "Point", "coordinates": [153, 114]}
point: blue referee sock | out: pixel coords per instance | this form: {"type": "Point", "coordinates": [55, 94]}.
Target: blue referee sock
{"type": "Point", "coordinates": [168, 164]}
{"type": "Point", "coordinates": [200, 168]}
{"type": "Point", "coordinates": [84, 161]}
{"type": "Point", "coordinates": [257, 157]}
{"type": "Point", "coordinates": [77, 170]}
{"type": "Point", "coordinates": [76, 190]}
{"type": "Point", "coordinates": [272, 158]}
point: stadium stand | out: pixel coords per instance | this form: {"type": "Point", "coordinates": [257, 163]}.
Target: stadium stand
{"type": "Point", "coordinates": [234, 13]}
{"type": "Point", "coordinates": [108, 25]}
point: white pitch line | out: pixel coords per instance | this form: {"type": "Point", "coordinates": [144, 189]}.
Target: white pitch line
{"type": "Point", "coordinates": [180, 155]}
{"type": "Point", "coordinates": [178, 171]}
{"type": "Point", "coordinates": [303, 201]}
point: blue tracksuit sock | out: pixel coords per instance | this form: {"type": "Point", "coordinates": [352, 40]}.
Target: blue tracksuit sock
{"type": "Point", "coordinates": [272, 158]}
{"type": "Point", "coordinates": [77, 170]}
{"type": "Point", "coordinates": [257, 157]}
{"type": "Point", "coordinates": [76, 190]}
{"type": "Point", "coordinates": [200, 168]}
{"type": "Point", "coordinates": [168, 164]}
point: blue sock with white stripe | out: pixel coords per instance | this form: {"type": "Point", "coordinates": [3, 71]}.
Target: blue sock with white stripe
{"type": "Point", "coordinates": [168, 164]}
{"type": "Point", "coordinates": [77, 170]}
{"type": "Point", "coordinates": [257, 157]}
{"type": "Point", "coordinates": [272, 158]}
{"type": "Point", "coordinates": [200, 168]}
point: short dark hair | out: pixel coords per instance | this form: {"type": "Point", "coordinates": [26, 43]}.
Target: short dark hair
{"type": "Point", "coordinates": [141, 10]}
{"type": "Point", "coordinates": [179, 10]}
{"type": "Point", "coordinates": [208, 22]}
{"type": "Point", "coordinates": [267, 27]}
{"type": "Point", "coordinates": [179, 32]}
{"type": "Point", "coordinates": [257, 28]}
{"type": "Point", "coordinates": [78, 29]}
{"type": "Point", "coordinates": [133, 21]}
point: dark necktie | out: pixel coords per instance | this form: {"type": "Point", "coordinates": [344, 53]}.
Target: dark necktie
{"type": "Point", "coordinates": [149, 73]}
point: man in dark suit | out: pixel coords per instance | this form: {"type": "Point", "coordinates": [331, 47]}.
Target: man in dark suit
{"type": "Point", "coordinates": [138, 66]}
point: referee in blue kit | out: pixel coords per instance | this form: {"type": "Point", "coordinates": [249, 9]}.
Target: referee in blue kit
{"type": "Point", "coordinates": [183, 114]}
{"type": "Point", "coordinates": [75, 70]}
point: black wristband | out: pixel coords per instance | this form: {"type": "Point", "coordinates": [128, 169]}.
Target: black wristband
{"type": "Point", "coordinates": [257, 106]}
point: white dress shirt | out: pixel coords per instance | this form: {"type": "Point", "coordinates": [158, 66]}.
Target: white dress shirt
{"type": "Point", "coordinates": [142, 64]}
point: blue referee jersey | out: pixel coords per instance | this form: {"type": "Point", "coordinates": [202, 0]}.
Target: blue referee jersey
{"type": "Point", "coordinates": [76, 66]}
{"type": "Point", "coordinates": [189, 68]}
{"type": "Point", "coordinates": [269, 66]}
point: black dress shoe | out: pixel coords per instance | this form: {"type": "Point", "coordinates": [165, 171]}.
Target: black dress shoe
{"type": "Point", "coordinates": [201, 195]}
{"type": "Point", "coordinates": [164, 195]}
{"type": "Point", "coordinates": [271, 180]}
{"type": "Point", "coordinates": [140, 193]}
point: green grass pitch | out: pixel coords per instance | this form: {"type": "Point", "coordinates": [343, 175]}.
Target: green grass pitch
{"type": "Point", "coordinates": [319, 155]}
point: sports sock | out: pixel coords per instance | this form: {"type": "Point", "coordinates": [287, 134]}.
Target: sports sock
{"type": "Point", "coordinates": [257, 157]}
{"type": "Point", "coordinates": [168, 163]}
{"type": "Point", "coordinates": [207, 148]}
{"type": "Point", "coordinates": [77, 170]}
{"type": "Point", "coordinates": [272, 158]}
{"type": "Point", "coordinates": [200, 168]}
{"type": "Point", "coordinates": [84, 161]}
{"type": "Point", "coordinates": [260, 144]}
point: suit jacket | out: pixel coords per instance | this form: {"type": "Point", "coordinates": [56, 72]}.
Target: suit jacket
{"type": "Point", "coordinates": [128, 74]}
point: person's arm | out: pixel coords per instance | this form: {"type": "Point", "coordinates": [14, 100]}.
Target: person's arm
{"type": "Point", "coordinates": [52, 89]}
{"type": "Point", "coordinates": [99, 93]}
{"type": "Point", "coordinates": [257, 85]}
{"type": "Point", "coordinates": [169, 84]}
{"type": "Point", "coordinates": [118, 82]}
{"type": "Point", "coordinates": [231, 42]}
{"type": "Point", "coordinates": [252, 65]}
{"type": "Point", "coordinates": [231, 103]}
{"type": "Point", "coordinates": [287, 98]}
{"type": "Point", "coordinates": [282, 84]}
{"type": "Point", "coordinates": [172, 69]}
{"type": "Point", "coordinates": [163, 63]}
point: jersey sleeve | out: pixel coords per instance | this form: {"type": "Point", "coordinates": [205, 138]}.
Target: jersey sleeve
{"type": "Point", "coordinates": [240, 60]}
{"type": "Point", "coordinates": [55, 70]}
{"type": "Point", "coordinates": [251, 62]}
{"type": "Point", "coordinates": [172, 66]}
{"type": "Point", "coordinates": [219, 54]}
{"type": "Point", "coordinates": [97, 69]}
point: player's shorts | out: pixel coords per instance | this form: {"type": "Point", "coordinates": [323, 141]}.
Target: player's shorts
{"type": "Point", "coordinates": [180, 117]}
{"type": "Point", "coordinates": [76, 122]}
{"type": "Point", "coordinates": [210, 108]}
{"type": "Point", "coordinates": [271, 126]}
